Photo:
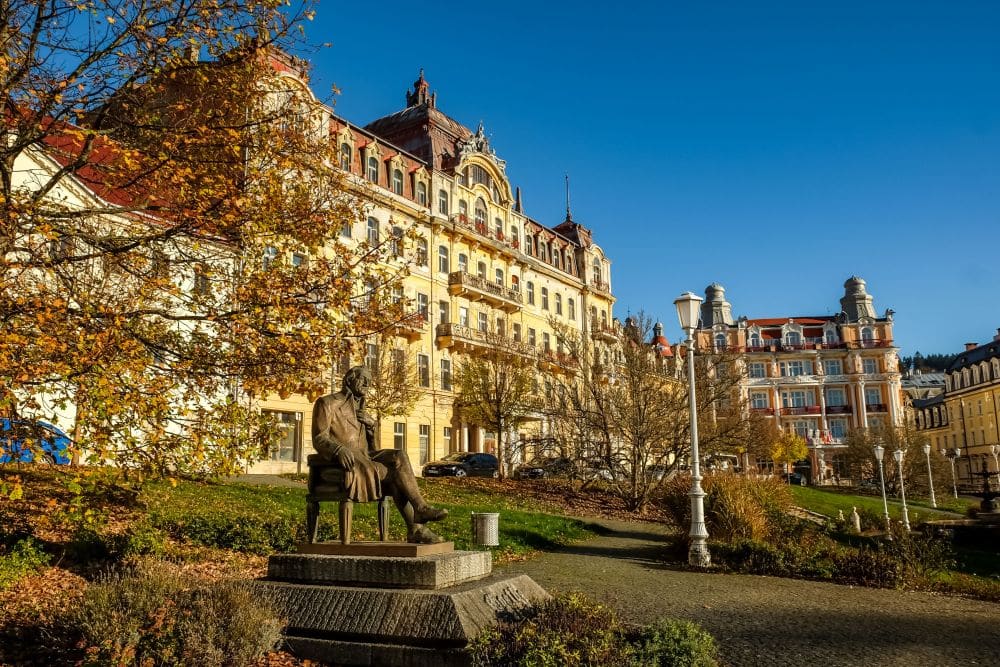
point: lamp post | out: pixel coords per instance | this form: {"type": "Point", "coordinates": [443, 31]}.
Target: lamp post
{"type": "Point", "coordinates": [898, 455]}
{"type": "Point", "coordinates": [954, 480]}
{"type": "Point", "coordinates": [688, 305]}
{"type": "Point", "coordinates": [879, 452]}
{"type": "Point", "coordinates": [930, 476]}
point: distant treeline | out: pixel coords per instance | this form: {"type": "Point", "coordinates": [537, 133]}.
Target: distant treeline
{"type": "Point", "coordinates": [929, 363]}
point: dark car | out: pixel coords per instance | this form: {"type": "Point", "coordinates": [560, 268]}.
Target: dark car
{"type": "Point", "coordinates": [796, 478]}
{"type": "Point", "coordinates": [551, 466]}
{"type": "Point", "coordinates": [463, 464]}
{"type": "Point", "coordinates": [21, 440]}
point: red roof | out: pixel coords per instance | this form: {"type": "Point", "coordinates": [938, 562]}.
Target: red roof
{"type": "Point", "coordinates": [780, 321]}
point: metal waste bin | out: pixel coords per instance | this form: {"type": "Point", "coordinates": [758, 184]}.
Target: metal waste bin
{"type": "Point", "coordinates": [486, 529]}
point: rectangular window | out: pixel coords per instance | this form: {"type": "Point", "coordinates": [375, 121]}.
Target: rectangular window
{"type": "Point", "coordinates": [531, 337]}
{"type": "Point", "coordinates": [371, 355]}
{"type": "Point", "coordinates": [373, 234]}
{"type": "Point", "coordinates": [756, 369]}
{"type": "Point", "coordinates": [545, 341]}
{"type": "Point", "coordinates": [793, 399]}
{"type": "Point", "coordinates": [345, 229]}
{"type": "Point", "coordinates": [446, 435]}
{"type": "Point", "coordinates": [758, 400]}
{"type": "Point", "coordinates": [423, 306]}
{"type": "Point", "coordinates": [835, 398]}
{"type": "Point", "coordinates": [531, 293]}
{"type": "Point", "coordinates": [288, 446]}
{"type": "Point", "coordinates": [545, 298]}
{"type": "Point", "coordinates": [872, 396]}
{"type": "Point", "coordinates": [558, 304]}
{"type": "Point", "coordinates": [446, 374]}
{"type": "Point", "coordinates": [516, 330]}
{"type": "Point", "coordinates": [443, 314]}
{"type": "Point", "coordinates": [443, 265]}
{"type": "Point", "coordinates": [399, 436]}
{"type": "Point", "coordinates": [463, 262]}
{"type": "Point", "coordinates": [795, 368]}
{"type": "Point", "coordinates": [421, 252]}
{"type": "Point", "coordinates": [483, 322]}
{"type": "Point", "coordinates": [463, 316]}
{"type": "Point", "coordinates": [838, 428]}
{"type": "Point", "coordinates": [833, 367]}
{"type": "Point", "coordinates": [869, 366]}
{"type": "Point", "coordinates": [571, 306]}
{"type": "Point", "coordinates": [298, 259]}
{"type": "Point", "coordinates": [425, 443]}
{"type": "Point", "coordinates": [424, 370]}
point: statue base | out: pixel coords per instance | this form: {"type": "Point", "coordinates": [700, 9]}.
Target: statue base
{"type": "Point", "coordinates": [391, 610]}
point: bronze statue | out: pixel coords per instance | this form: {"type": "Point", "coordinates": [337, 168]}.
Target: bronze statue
{"type": "Point", "coordinates": [343, 434]}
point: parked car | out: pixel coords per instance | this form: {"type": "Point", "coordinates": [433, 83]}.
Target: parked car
{"type": "Point", "coordinates": [22, 440]}
{"type": "Point", "coordinates": [548, 466]}
{"type": "Point", "coordinates": [462, 464]}
{"type": "Point", "coordinates": [795, 478]}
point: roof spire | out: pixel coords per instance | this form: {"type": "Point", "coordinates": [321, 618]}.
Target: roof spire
{"type": "Point", "coordinates": [569, 216]}
{"type": "Point", "coordinates": [421, 92]}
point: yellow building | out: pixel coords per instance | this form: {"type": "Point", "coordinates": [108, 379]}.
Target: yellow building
{"type": "Point", "coordinates": [962, 423]}
{"type": "Point", "coordinates": [481, 264]}
{"type": "Point", "coordinates": [819, 375]}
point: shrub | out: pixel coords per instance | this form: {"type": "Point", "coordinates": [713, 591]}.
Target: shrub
{"type": "Point", "coordinates": [754, 557]}
{"type": "Point", "coordinates": [24, 557]}
{"type": "Point", "coordinates": [675, 643]}
{"type": "Point", "coordinates": [736, 506]}
{"type": "Point", "coordinates": [868, 567]}
{"type": "Point", "coordinates": [245, 533]}
{"type": "Point", "coordinates": [149, 614]}
{"type": "Point", "coordinates": [571, 630]}
{"type": "Point", "coordinates": [870, 519]}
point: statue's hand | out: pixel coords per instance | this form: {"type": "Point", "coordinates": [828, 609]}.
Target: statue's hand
{"type": "Point", "coordinates": [345, 457]}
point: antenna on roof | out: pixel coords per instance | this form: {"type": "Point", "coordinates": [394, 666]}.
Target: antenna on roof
{"type": "Point", "coordinates": [569, 216]}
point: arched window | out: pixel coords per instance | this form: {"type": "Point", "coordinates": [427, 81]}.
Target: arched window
{"type": "Point", "coordinates": [720, 341]}
{"type": "Point", "coordinates": [421, 193]}
{"type": "Point", "coordinates": [481, 270]}
{"type": "Point", "coordinates": [755, 340]}
{"type": "Point", "coordinates": [597, 271]}
{"type": "Point", "coordinates": [373, 169]}
{"type": "Point", "coordinates": [514, 236]}
{"type": "Point", "coordinates": [397, 181]}
{"type": "Point", "coordinates": [793, 338]}
{"type": "Point", "coordinates": [515, 283]}
{"type": "Point", "coordinates": [556, 258]}
{"type": "Point", "coordinates": [442, 202]}
{"type": "Point", "coordinates": [444, 266]}
{"type": "Point", "coordinates": [831, 336]}
{"type": "Point", "coordinates": [463, 262]}
{"type": "Point", "coordinates": [480, 213]}
{"type": "Point", "coordinates": [867, 335]}
{"type": "Point", "coordinates": [345, 156]}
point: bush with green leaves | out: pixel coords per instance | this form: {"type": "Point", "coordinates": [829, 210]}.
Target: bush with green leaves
{"type": "Point", "coordinates": [149, 614]}
{"type": "Point", "coordinates": [24, 557]}
{"type": "Point", "coordinates": [246, 533]}
{"type": "Point", "coordinates": [574, 631]}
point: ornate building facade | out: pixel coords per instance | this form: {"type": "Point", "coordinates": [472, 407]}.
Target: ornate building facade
{"type": "Point", "coordinates": [481, 264]}
{"type": "Point", "coordinates": [820, 376]}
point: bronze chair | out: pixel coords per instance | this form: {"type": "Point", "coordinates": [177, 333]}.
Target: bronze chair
{"type": "Point", "coordinates": [326, 483]}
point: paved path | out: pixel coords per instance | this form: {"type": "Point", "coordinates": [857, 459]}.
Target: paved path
{"type": "Point", "coordinates": [773, 621]}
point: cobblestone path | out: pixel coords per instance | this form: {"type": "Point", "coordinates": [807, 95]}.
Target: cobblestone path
{"type": "Point", "coordinates": [773, 621]}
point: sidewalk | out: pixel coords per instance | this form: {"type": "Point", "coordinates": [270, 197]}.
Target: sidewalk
{"type": "Point", "coordinates": [764, 621]}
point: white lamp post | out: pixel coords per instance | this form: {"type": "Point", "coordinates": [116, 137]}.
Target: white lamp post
{"type": "Point", "coordinates": [879, 452]}
{"type": "Point", "coordinates": [898, 455]}
{"type": "Point", "coordinates": [688, 305]}
{"type": "Point", "coordinates": [930, 476]}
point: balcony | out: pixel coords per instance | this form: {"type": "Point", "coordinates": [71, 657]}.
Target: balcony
{"type": "Point", "coordinates": [801, 410]}
{"type": "Point", "coordinates": [496, 238]}
{"type": "Point", "coordinates": [870, 343]}
{"type": "Point", "coordinates": [876, 407]}
{"type": "Point", "coordinates": [412, 327]}
{"type": "Point", "coordinates": [762, 411]}
{"type": "Point", "coordinates": [603, 332]}
{"type": "Point", "coordinates": [466, 339]}
{"type": "Point", "coordinates": [600, 286]}
{"type": "Point", "coordinates": [557, 361]}
{"type": "Point", "coordinates": [477, 288]}
{"type": "Point", "coordinates": [838, 410]}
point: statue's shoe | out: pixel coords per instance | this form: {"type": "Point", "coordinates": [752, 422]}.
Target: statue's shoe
{"type": "Point", "coordinates": [428, 513]}
{"type": "Point", "coordinates": [423, 535]}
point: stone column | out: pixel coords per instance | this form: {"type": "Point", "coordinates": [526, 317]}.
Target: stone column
{"type": "Point", "coordinates": [862, 408]}
{"type": "Point", "coordinates": [464, 444]}
{"type": "Point", "coordinates": [822, 408]}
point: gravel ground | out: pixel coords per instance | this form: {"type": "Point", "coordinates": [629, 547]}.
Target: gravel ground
{"type": "Point", "coordinates": [768, 620]}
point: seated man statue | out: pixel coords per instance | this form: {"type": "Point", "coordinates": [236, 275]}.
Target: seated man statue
{"type": "Point", "coordinates": [344, 435]}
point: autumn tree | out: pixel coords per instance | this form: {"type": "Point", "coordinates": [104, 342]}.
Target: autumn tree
{"type": "Point", "coordinates": [788, 447]}
{"type": "Point", "coordinates": [495, 388]}
{"type": "Point", "coordinates": [394, 387]}
{"type": "Point", "coordinates": [170, 227]}
{"type": "Point", "coordinates": [860, 458]}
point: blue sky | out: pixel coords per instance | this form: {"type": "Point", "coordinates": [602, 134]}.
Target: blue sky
{"type": "Point", "coordinates": [775, 147]}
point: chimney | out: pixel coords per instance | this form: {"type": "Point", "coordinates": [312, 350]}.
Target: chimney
{"type": "Point", "coordinates": [997, 337]}
{"type": "Point", "coordinates": [971, 346]}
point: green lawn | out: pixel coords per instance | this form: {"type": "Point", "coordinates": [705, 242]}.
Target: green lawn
{"type": "Point", "coordinates": [247, 516]}
{"type": "Point", "coordinates": [828, 502]}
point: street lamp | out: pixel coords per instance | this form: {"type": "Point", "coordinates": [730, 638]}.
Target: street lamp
{"type": "Point", "coordinates": [879, 452]}
{"type": "Point", "coordinates": [952, 457]}
{"type": "Point", "coordinates": [930, 476]}
{"type": "Point", "coordinates": [688, 305]}
{"type": "Point", "coordinates": [898, 455]}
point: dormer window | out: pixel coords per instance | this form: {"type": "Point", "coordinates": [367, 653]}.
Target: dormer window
{"type": "Point", "coordinates": [720, 341]}
{"type": "Point", "coordinates": [397, 181]}
{"type": "Point", "coordinates": [372, 174]}
{"type": "Point", "coordinates": [867, 335]}
{"type": "Point", "coordinates": [597, 271]}
{"type": "Point", "coordinates": [830, 338]}
{"type": "Point", "coordinates": [793, 338]}
{"type": "Point", "coordinates": [480, 214]}
{"type": "Point", "coordinates": [443, 202]}
{"type": "Point", "coordinates": [754, 340]}
{"type": "Point", "coordinates": [513, 235]}
{"type": "Point", "coordinates": [421, 193]}
{"type": "Point", "coordinates": [345, 156]}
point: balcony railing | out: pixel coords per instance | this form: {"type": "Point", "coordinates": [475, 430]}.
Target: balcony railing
{"type": "Point", "coordinates": [451, 334]}
{"type": "Point", "coordinates": [601, 286]}
{"type": "Point", "coordinates": [801, 410]}
{"type": "Point", "coordinates": [558, 361]}
{"type": "Point", "coordinates": [762, 411]}
{"type": "Point", "coordinates": [872, 342]}
{"type": "Point", "coordinates": [838, 410]}
{"type": "Point", "coordinates": [605, 332]}
{"type": "Point", "coordinates": [876, 407]}
{"type": "Point", "coordinates": [477, 288]}
{"type": "Point", "coordinates": [412, 326]}
{"type": "Point", "coordinates": [497, 237]}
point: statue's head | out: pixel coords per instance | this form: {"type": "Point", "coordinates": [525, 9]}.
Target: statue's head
{"type": "Point", "coordinates": [357, 380]}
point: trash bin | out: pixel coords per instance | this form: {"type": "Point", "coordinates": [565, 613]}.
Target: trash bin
{"type": "Point", "coordinates": [486, 529]}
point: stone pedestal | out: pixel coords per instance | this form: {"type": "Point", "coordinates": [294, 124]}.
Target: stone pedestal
{"type": "Point", "coordinates": [392, 610]}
